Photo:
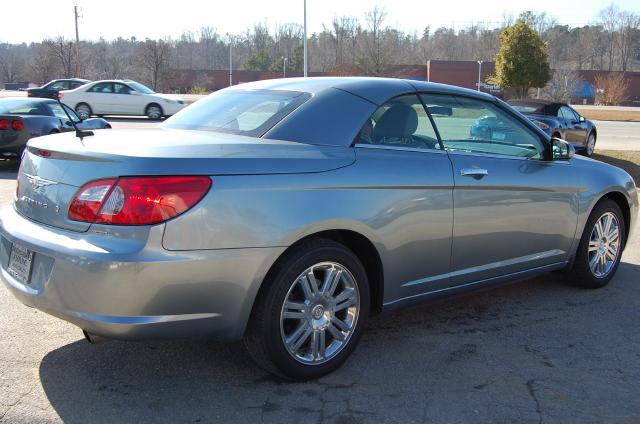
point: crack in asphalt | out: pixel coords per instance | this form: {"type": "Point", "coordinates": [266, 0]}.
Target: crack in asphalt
{"type": "Point", "coordinates": [532, 392]}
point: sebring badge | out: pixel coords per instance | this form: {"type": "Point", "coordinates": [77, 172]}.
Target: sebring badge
{"type": "Point", "coordinates": [37, 182]}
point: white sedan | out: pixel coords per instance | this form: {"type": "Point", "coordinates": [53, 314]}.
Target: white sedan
{"type": "Point", "coordinates": [120, 97]}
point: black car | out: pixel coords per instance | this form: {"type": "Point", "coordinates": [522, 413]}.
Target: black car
{"type": "Point", "coordinates": [51, 89]}
{"type": "Point", "coordinates": [22, 119]}
{"type": "Point", "coordinates": [560, 120]}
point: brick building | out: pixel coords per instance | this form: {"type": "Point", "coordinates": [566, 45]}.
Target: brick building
{"type": "Point", "coordinates": [459, 73]}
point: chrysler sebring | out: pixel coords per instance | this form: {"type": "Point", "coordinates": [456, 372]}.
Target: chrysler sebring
{"type": "Point", "coordinates": [286, 212]}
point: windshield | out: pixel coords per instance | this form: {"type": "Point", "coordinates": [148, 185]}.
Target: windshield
{"type": "Point", "coordinates": [250, 112]}
{"type": "Point", "coordinates": [140, 87]}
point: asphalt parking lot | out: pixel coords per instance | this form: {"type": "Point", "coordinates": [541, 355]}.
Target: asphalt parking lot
{"type": "Point", "coordinates": [535, 351]}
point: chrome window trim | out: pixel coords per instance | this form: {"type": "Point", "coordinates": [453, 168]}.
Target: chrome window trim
{"type": "Point", "coordinates": [396, 148]}
{"type": "Point", "coordinates": [496, 156]}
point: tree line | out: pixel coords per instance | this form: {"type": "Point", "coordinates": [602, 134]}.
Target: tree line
{"type": "Point", "coordinates": [366, 45]}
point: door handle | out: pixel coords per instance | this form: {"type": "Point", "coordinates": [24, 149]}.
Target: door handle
{"type": "Point", "coordinates": [474, 172]}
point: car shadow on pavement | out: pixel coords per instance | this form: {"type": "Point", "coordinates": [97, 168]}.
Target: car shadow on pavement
{"type": "Point", "coordinates": [514, 353]}
{"type": "Point", "coordinates": [9, 169]}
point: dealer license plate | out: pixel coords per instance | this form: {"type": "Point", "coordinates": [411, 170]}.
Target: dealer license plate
{"type": "Point", "coordinates": [20, 263]}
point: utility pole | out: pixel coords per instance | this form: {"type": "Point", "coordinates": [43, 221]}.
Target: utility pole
{"type": "Point", "coordinates": [75, 15]}
{"type": "Point", "coordinates": [479, 74]}
{"type": "Point", "coordinates": [306, 65]}
{"type": "Point", "coordinates": [284, 67]}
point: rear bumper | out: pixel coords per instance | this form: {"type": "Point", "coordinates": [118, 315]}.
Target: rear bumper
{"type": "Point", "coordinates": [133, 288]}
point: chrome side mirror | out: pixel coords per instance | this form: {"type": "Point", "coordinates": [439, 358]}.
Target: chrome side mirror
{"type": "Point", "coordinates": [561, 150]}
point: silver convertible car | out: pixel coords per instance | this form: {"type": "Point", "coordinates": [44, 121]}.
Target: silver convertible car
{"type": "Point", "coordinates": [286, 212]}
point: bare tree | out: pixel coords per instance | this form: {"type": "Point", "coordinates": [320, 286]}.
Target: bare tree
{"type": "Point", "coordinates": [374, 58]}
{"type": "Point", "coordinates": [153, 56]}
{"type": "Point", "coordinates": [562, 86]}
{"type": "Point", "coordinates": [65, 52]}
{"type": "Point", "coordinates": [611, 89]}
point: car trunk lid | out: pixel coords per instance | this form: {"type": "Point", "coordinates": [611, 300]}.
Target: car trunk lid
{"type": "Point", "coordinates": [55, 167]}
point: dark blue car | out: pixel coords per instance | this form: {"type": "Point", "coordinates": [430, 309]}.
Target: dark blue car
{"type": "Point", "coordinates": [50, 90]}
{"type": "Point", "coordinates": [560, 120]}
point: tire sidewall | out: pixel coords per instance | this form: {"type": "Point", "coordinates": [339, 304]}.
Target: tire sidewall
{"type": "Point", "coordinates": [582, 272]}
{"type": "Point", "coordinates": [281, 358]}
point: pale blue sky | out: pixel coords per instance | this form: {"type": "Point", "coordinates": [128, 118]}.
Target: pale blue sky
{"type": "Point", "coordinates": [113, 18]}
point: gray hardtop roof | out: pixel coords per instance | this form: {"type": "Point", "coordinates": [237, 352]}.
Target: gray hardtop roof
{"type": "Point", "coordinates": [374, 89]}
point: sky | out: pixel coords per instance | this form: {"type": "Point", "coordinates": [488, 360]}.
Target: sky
{"type": "Point", "coordinates": [155, 19]}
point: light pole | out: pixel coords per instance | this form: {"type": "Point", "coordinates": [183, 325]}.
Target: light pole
{"type": "Point", "coordinates": [284, 67]}
{"type": "Point", "coordinates": [304, 42]}
{"type": "Point", "coordinates": [230, 61]}
{"type": "Point", "coordinates": [479, 73]}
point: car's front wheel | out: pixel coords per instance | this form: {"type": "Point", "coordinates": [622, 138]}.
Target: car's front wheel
{"type": "Point", "coordinates": [153, 112]}
{"type": "Point", "coordinates": [600, 247]}
{"type": "Point", "coordinates": [311, 313]}
{"type": "Point", "coordinates": [83, 110]}
{"type": "Point", "coordinates": [590, 147]}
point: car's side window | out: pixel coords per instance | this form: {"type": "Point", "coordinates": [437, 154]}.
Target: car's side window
{"type": "Point", "coordinates": [121, 89]}
{"type": "Point", "coordinates": [477, 126]}
{"type": "Point", "coordinates": [103, 87]}
{"type": "Point", "coordinates": [401, 122]}
{"type": "Point", "coordinates": [567, 113]}
{"type": "Point", "coordinates": [59, 85]}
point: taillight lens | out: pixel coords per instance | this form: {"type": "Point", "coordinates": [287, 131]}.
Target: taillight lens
{"type": "Point", "coordinates": [4, 124]}
{"type": "Point", "coordinates": [137, 200]}
{"type": "Point", "coordinates": [17, 125]}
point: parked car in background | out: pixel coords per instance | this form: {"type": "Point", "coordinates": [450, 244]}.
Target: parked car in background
{"type": "Point", "coordinates": [286, 211]}
{"type": "Point", "coordinates": [121, 97]}
{"type": "Point", "coordinates": [561, 121]}
{"type": "Point", "coordinates": [22, 119]}
{"type": "Point", "coordinates": [51, 89]}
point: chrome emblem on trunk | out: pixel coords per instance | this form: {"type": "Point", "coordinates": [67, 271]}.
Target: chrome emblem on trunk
{"type": "Point", "coordinates": [37, 182]}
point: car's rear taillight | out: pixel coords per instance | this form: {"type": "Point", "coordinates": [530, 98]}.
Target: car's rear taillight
{"type": "Point", "coordinates": [4, 124]}
{"type": "Point", "coordinates": [137, 200]}
{"type": "Point", "coordinates": [17, 125]}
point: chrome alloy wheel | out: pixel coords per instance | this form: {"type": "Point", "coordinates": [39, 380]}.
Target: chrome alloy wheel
{"type": "Point", "coordinates": [604, 245]}
{"type": "Point", "coordinates": [320, 313]}
{"type": "Point", "coordinates": [591, 144]}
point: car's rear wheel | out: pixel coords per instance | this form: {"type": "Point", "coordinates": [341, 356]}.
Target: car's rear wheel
{"type": "Point", "coordinates": [600, 247]}
{"type": "Point", "coordinates": [311, 313]}
{"type": "Point", "coordinates": [590, 147]}
{"type": "Point", "coordinates": [83, 110]}
{"type": "Point", "coordinates": [153, 112]}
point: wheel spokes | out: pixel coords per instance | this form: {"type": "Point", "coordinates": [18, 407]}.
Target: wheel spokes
{"type": "Point", "coordinates": [320, 312]}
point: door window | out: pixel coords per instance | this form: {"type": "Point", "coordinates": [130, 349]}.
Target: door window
{"type": "Point", "coordinates": [121, 89]}
{"type": "Point", "coordinates": [401, 122]}
{"type": "Point", "coordinates": [59, 85]}
{"type": "Point", "coordinates": [566, 113]}
{"type": "Point", "coordinates": [103, 87]}
{"type": "Point", "coordinates": [477, 126]}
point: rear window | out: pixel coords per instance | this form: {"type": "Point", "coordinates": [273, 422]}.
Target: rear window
{"type": "Point", "coordinates": [22, 107]}
{"type": "Point", "coordinates": [243, 112]}
{"type": "Point", "coordinates": [527, 108]}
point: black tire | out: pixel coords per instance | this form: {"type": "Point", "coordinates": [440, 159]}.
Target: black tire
{"type": "Point", "coordinates": [587, 151]}
{"type": "Point", "coordinates": [82, 106]}
{"type": "Point", "coordinates": [263, 338]}
{"type": "Point", "coordinates": [581, 274]}
{"type": "Point", "coordinates": [152, 107]}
